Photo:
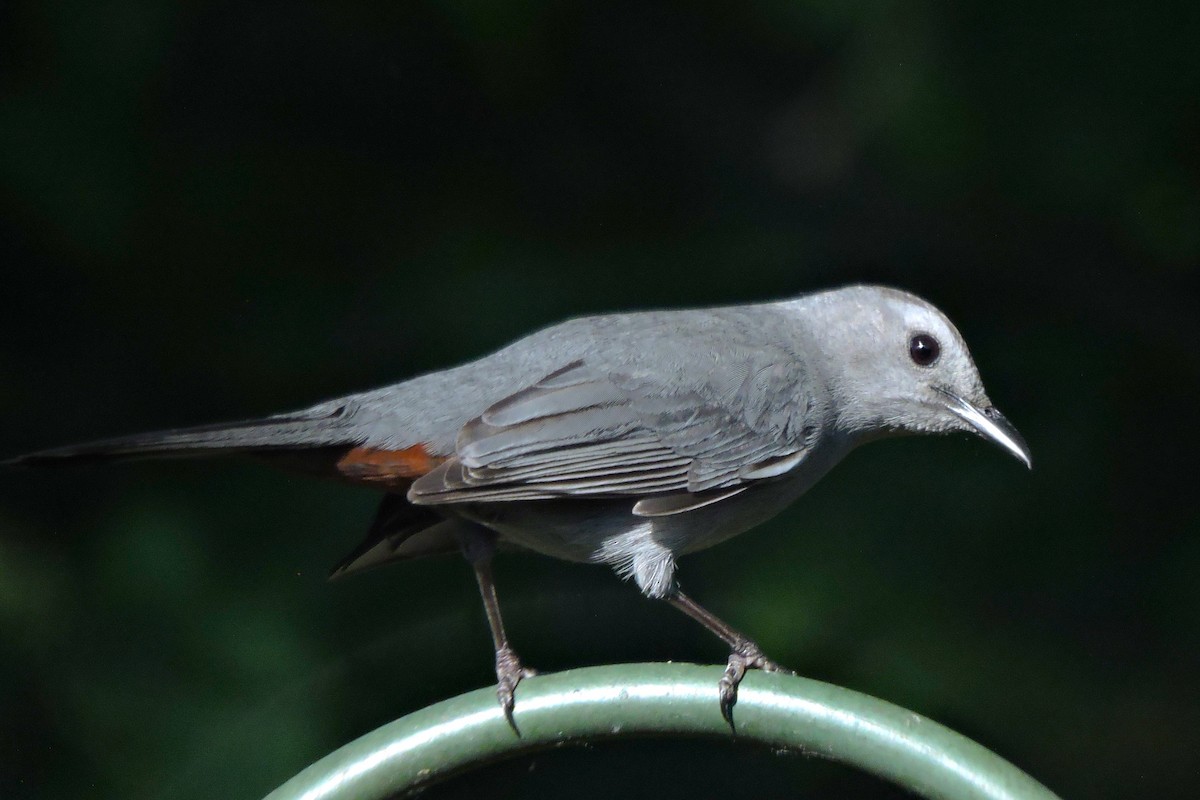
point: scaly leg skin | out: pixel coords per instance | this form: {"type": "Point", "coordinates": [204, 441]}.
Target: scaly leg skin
{"type": "Point", "coordinates": [744, 655]}
{"type": "Point", "coordinates": [509, 670]}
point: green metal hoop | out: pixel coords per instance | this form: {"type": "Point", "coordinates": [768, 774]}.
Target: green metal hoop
{"type": "Point", "coordinates": [606, 702]}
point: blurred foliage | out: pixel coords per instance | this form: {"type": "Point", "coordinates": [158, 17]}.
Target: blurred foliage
{"type": "Point", "coordinates": [215, 210]}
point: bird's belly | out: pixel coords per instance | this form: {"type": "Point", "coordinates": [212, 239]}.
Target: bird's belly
{"type": "Point", "coordinates": [573, 530]}
{"type": "Point", "coordinates": [584, 529]}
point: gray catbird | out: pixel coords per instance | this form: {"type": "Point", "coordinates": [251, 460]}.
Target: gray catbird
{"type": "Point", "coordinates": [626, 439]}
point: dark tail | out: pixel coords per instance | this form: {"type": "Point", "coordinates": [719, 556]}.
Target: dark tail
{"type": "Point", "coordinates": [320, 426]}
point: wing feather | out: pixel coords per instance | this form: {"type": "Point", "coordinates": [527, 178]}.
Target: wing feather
{"type": "Point", "coordinates": [587, 432]}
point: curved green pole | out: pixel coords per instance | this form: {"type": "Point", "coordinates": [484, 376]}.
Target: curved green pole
{"type": "Point", "coordinates": [780, 711]}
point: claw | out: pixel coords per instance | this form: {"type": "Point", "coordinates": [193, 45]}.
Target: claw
{"type": "Point", "coordinates": [746, 655]}
{"type": "Point", "coordinates": [728, 685]}
{"type": "Point", "coordinates": [509, 672]}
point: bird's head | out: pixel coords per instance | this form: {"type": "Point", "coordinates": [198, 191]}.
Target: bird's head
{"type": "Point", "coordinates": [896, 365]}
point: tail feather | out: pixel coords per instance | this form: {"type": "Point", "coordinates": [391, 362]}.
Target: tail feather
{"type": "Point", "coordinates": [400, 531]}
{"type": "Point", "coordinates": [322, 425]}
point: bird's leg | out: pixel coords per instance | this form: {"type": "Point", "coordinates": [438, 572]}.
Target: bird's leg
{"type": "Point", "coordinates": [744, 653]}
{"type": "Point", "coordinates": [478, 549]}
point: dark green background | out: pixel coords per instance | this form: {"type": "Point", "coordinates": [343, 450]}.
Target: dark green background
{"type": "Point", "coordinates": [217, 210]}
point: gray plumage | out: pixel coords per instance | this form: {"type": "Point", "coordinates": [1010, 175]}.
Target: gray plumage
{"type": "Point", "coordinates": [625, 439]}
{"type": "Point", "coordinates": [656, 419]}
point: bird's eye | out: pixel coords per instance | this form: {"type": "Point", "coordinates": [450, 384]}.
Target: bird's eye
{"type": "Point", "coordinates": [923, 349]}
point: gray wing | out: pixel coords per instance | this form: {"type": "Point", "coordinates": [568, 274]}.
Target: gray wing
{"type": "Point", "coordinates": [673, 444]}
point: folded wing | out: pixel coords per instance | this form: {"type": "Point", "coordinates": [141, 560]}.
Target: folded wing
{"type": "Point", "coordinates": [671, 443]}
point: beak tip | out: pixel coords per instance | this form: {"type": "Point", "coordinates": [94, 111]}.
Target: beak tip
{"type": "Point", "coordinates": [992, 425]}
{"type": "Point", "coordinates": [1019, 450]}
{"type": "Point", "coordinates": [1015, 444]}
{"type": "Point", "coordinates": [1008, 438]}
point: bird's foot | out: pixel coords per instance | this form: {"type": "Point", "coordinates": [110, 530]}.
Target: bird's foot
{"type": "Point", "coordinates": [746, 655]}
{"type": "Point", "coordinates": [509, 672]}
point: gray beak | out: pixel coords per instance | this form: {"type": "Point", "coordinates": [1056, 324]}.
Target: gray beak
{"type": "Point", "coordinates": [990, 424]}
